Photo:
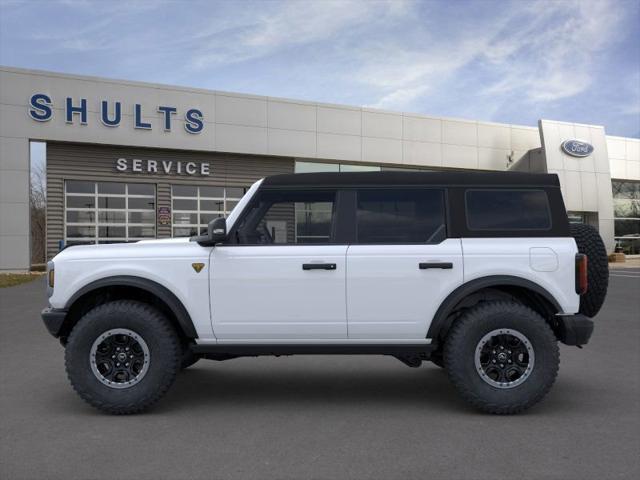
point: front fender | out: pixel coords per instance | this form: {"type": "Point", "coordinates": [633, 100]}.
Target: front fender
{"type": "Point", "coordinates": [167, 296]}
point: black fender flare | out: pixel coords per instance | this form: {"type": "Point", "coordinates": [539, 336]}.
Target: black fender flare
{"type": "Point", "coordinates": [164, 294]}
{"type": "Point", "coordinates": [441, 320]}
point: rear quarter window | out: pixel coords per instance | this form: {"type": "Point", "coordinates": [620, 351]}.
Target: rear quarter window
{"type": "Point", "coordinates": [507, 209]}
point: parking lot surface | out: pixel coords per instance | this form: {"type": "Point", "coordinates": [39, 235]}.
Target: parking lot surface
{"type": "Point", "coordinates": [321, 417]}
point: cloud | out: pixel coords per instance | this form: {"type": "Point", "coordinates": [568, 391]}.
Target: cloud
{"type": "Point", "coordinates": [539, 51]}
{"type": "Point", "coordinates": [405, 74]}
{"type": "Point", "coordinates": [630, 90]}
{"type": "Point", "coordinates": [401, 96]}
{"type": "Point", "coordinates": [553, 56]}
{"type": "Point", "coordinates": [285, 25]}
{"type": "Point", "coordinates": [507, 61]}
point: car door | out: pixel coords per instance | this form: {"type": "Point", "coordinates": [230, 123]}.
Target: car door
{"type": "Point", "coordinates": [281, 276]}
{"type": "Point", "coordinates": [402, 265]}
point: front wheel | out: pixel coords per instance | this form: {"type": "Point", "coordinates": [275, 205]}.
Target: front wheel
{"type": "Point", "coordinates": [502, 357]}
{"type": "Point", "coordinates": [122, 356]}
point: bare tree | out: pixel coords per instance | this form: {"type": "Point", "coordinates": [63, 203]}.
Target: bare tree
{"type": "Point", "coordinates": [37, 207]}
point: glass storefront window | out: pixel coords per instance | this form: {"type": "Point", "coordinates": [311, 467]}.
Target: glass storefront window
{"type": "Point", "coordinates": [359, 168]}
{"type": "Point", "coordinates": [626, 189]}
{"type": "Point", "coordinates": [313, 167]}
{"type": "Point", "coordinates": [111, 188]}
{"type": "Point", "coordinates": [81, 201]}
{"type": "Point", "coordinates": [627, 227]}
{"type": "Point", "coordinates": [148, 203]}
{"type": "Point", "coordinates": [194, 207]}
{"type": "Point", "coordinates": [108, 212]}
{"type": "Point", "coordinates": [76, 186]}
{"type": "Point", "coordinates": [109, 202]}
{"type": "Point", "coordinates": [626, 207]}
{"type": "Point", "coordinates": [576, 217]}
{"type": "Point", "coordinates": [407, 169]}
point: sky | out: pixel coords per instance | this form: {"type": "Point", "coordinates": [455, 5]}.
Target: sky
{"type": "Point", "coordinates": [502, 61]}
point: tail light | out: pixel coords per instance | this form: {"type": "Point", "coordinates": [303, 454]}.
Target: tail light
{"type": "Point", "coordinates": [51, 276]}
{"type": "Point", "coordinates": [582, 280]}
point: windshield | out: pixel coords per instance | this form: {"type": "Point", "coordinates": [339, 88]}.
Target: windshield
{"type": "Point", "coordinates": [233, 216]}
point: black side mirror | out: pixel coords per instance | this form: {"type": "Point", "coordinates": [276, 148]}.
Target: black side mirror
{"type": "Point", "coordinates": [217, 230]}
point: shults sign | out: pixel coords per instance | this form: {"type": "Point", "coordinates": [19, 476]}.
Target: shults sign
{"type": "Point", "coordinates": [41, 110]}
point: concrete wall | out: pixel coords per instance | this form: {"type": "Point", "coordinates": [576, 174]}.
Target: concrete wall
{"type": "Point", "coordinates": [624, 157]}
{"type": "Point", "coordinates": [14, 201]}
{"type": "Point", "coordinates": [531, 162]}
{"type": "Point", "coordinates": [260, 125]}
{"type": "Point", "coordinates": [585, 182]}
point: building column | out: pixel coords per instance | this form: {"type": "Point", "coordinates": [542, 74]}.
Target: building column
{"type": "Point", "coordinates": [15, 241]}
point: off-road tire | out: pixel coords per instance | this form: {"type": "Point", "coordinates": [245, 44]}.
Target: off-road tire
{"type": "Point", "coordinates": [590, 243]}
{"type": "Point", "coordinates": [461, 344]}
{"type": "Point", "coordinates": [164, 357]}
{"type": "Point", "coordinates": [188, 357]}
{"type": "Point", "coordinates": [436, 358]}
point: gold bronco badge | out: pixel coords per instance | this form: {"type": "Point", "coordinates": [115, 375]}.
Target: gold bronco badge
{"type": "Point", "coordinates": [197, 267]}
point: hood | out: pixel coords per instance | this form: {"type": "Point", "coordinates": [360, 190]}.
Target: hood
{"type": "Point", "coordinates": [165, 240]}
{"type": "Point", "coordinates": [139, 249]}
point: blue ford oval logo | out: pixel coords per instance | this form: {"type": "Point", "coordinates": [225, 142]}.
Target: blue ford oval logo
{"type": "Point", "coordinates": [577, 148]}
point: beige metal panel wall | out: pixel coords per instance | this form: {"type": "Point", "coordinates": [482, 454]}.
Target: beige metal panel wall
{"type": "Point", "coordinates": [14, 202]}
{"type": "Point", "coordinates": [14, 188]}
{"type": "Point", "coordinates": [251, 124]}
{"type": "Point", "coordinates": [624, 157]}
{"type": "Point", "coordinates": [585, 182]}
{"type": "Point", "coordinates": [72, 161]}
{"type": "Point", "coordinates": [19, 85]}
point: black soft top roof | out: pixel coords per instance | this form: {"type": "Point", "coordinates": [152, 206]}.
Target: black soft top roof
{"type": "Point", "coordinates": [484, 179]}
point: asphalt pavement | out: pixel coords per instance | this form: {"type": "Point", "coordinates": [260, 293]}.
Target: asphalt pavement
{"type": "Point", "coordinates": [317, 417]}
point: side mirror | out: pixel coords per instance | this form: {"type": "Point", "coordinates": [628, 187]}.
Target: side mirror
{"type": "Point", "coordinates": [217, 230]}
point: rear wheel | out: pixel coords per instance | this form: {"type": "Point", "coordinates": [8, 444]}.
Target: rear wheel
{"type": "Point", "coordinates": [121, 357]}
{"type": "Point", "coordinates": [502, 357]}
{"type": "Point", "coordinates": [436, 358]}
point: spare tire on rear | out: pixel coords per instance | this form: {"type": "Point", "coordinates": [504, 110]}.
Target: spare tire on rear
{"type": "Point", "coordinates": [590, 243]}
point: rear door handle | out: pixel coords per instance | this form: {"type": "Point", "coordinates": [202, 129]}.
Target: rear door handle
{"type": "Point", "coordinates": [442, 265]}
{"type": "Point", "coordinates": [318, 266]}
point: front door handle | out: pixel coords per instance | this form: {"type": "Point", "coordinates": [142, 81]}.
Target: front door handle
{"type": "Point", "coordinates": [318, 266]}
{"type": "Point", "coordinates": [442, 265]}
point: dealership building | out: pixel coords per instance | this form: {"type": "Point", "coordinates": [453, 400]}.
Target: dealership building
{"type": "Point", "coordinates": [127, 160]}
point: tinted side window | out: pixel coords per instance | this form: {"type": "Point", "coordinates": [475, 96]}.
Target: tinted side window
{"type": "Point", "coordinates": [507, 210]}
{"type": "Point", "coordinates": [291, 217]}
{"type": "Point", "coordinates": [401, 216]}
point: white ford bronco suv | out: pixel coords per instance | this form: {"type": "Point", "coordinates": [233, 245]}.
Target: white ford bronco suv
{"type": "Point", "coordinates": [480, 273]}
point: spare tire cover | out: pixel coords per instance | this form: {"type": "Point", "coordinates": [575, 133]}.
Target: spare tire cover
{"type": "Point", "coordinates": [590, 243]}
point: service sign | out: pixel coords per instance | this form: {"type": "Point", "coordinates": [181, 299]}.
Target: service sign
{"type": "Point", "coordinates": [162, 167]}
{"type": "Point", "coordinates": [577, 148]}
